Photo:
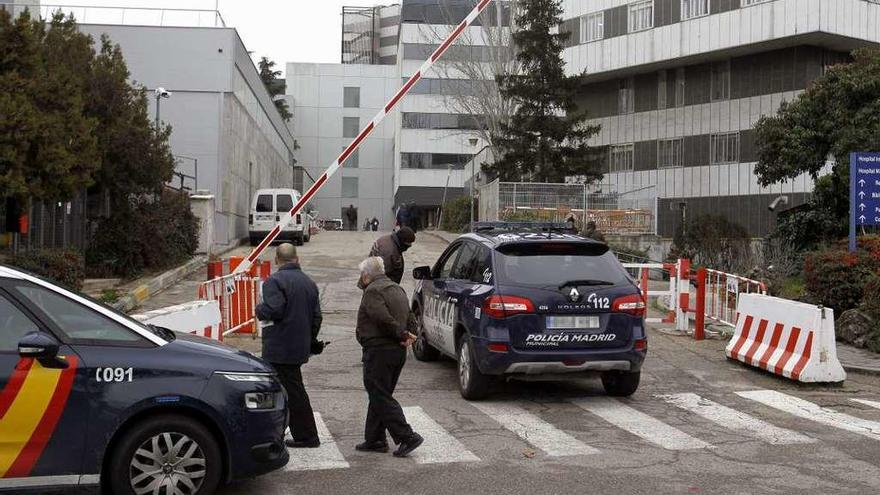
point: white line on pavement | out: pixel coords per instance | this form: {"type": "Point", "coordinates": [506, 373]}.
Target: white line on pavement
{"type": "Point", "coordinates": [439, 446]}
{"type": "Point", "coordinates": [640, 424]}
{"type": "Point", "coordinates": [736, 420]}
{"type": "Point", "coordinates": [870, 403]}
{"type": "Point", "coordinates": [808, 410]}
{"type": "Point", "coordinates": [327, 456]}
{"type": "Point", "coordinates": [534, 430]}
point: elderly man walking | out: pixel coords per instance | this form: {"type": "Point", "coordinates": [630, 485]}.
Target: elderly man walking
{"type": "Point", "coordinates": [391, 248]}
{"type": "Point", "coordinates": [291, 302]}
{"type": "Point", "coordinates": [383, 322]}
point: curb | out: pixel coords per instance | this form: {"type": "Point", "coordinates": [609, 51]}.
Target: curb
{"type": "Point", "coordinates": [861, 369]}
{"type": "Point", "coordinates": [436, 235]}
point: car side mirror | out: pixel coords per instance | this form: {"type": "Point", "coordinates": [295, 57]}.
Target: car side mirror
{"type": "Point", "coordinates": [422, 273]}
{"type": "Point", "coordinates": [38, 345]}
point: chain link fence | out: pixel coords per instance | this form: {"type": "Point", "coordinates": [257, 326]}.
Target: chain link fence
{"type": "Point", "coordinates": [524, 201]}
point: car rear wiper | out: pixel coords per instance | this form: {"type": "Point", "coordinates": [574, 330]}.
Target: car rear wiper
{"type": "Point", "coordinates": [575, 283]}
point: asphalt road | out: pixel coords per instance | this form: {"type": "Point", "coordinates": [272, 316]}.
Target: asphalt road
{"type": "Point", "coordinates": [687, 429]}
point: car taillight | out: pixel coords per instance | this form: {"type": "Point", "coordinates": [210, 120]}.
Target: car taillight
{"type": "Point", "coordinates": [299, 218]}
{"type": "Point", "coordinates": [632, 304]}
{"type": "Point", "coordinates": [250, 219]}
{"type": "Point", "coordinates": [505, 306]}
{"type": "Point", "coordinates": [641, 345]}
{"type": "Point", "coordinates": [497, 347]}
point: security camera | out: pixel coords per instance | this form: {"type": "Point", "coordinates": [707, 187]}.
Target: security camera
{"type": "Point", "coordinates": [162, 93]}
{"type": "Point", "coordinates": [777, 201]}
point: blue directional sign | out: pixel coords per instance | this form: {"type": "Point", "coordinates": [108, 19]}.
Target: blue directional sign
{"type": "Point", "coordinates": [864, 193]}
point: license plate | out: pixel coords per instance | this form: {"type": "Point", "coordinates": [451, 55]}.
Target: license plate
{"type": "Point", "coordinates": [572, 322]}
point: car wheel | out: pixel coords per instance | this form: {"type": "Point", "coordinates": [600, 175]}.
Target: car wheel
{"type": "Point", "coordinates": [621, 383]}
{"type": "Point", "coordinates": [298, 241]}
{"type": "Point", "coordinates": [422, 350]}
{"type": "Point", "coordinates": [472, 383]}
{"type": "Point", "coordinates": [166, 454]}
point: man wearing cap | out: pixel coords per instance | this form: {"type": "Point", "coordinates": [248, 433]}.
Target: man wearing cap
{"type": "Point", "coordinates": [391, 248]}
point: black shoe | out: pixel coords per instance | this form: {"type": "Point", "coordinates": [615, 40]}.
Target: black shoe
{"type": "Point", "coordinates": [377, 446]}
{"type": "Point", "coordinates": [408, 445]}
{"type": "Point", "coordinates": [302, 444]}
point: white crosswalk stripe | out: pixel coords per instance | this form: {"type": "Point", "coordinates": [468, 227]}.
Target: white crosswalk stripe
{"type": "Point", "coordinates": [640, 424]}
{"type": "Point", "coordinates": [327, 456]}
{"type": "Point", "coordinates": [869, 403]}
{"type": "Point", "coordinates": [808, 410]}
{"type": "Point", "coordinates": [534, 430]}
{"type": "Point", "coordinates": [439, 446]}
{"type": "Point", "coordinates": [735, 420]}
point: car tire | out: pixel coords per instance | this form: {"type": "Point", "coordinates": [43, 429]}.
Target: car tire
{"type": "Point", "coordinates": [254, 241]}
{"type": "Point", "coordinates": [147, 444]}
{"type": "Point", "coordinates": [472, 383]}
{"type": "Point", "coordinates": [621, 383]}
{"type": "Point", "coordinates": [422, 350]}
{"type": "Point", "coordinates": [297, 241]}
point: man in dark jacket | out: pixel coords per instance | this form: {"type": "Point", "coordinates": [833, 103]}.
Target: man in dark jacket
{"type": "Point", "coordinates": [383, 324]}
{"type": "Point", "coordinates": [291, 303]}
{"type": "Point", "coordinates": [391, 248]}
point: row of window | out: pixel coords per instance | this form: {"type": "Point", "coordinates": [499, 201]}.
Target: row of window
{"type": "Point", "coordinates": [452, 87]}
{"type": "Point", "coordinates": [437, 161]}
{"type": "Point", "coordinates": [640, 16]}
{"type": "Point", "coordinates": [724, 149]}
{"type": "Point", "coordinates": [475, 53]}
{"type": "Point", "coordinates": [719, 90]}
{"type": "Point", "coordinates": [417, 120]}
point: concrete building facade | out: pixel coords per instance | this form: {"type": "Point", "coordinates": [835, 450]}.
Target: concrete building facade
{"type": "Point", "coordinates": [370, 34]}
{"type": "Point", "coordinates": [678, 86]}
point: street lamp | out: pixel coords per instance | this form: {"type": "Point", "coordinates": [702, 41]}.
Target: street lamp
{"type": "Point", "coordinates": [160, 93]}
{"type": "Point", "coordinates": [473, 142]}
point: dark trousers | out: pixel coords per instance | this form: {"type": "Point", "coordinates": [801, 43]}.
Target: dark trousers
{"type": "Point", "coordinates": [299, 409]}
{"type": "Point", "coordinates": [382, 368]}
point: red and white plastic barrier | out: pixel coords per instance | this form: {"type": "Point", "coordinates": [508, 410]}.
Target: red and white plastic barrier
{"type": "Point", "coordinates": [237, 294]}
{"type": "Point", "coordinates": [198, 317]}
{"type": "Point", "coordinates": [787, 338]}
{"type": "Point", "coordinates": [672, 293]}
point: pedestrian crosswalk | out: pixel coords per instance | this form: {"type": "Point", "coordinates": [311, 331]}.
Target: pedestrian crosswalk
{"type": "Point", "coordinates": [443, 445]}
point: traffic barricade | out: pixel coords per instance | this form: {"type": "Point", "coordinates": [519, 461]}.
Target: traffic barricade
{"type": "Point", "coordinates": [717, 296]}
{"type": "Point", "coordinates": [786, 338]}
{"type": "Point", "coordinates": [200, 318]}
{"type": "Point", "coordinates": [237, 294]}
{"type": "Point", "coordinates": [641, 272]}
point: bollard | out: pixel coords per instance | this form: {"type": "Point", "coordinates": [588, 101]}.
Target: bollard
{"type": "Point", "coordinates": [700, 321]}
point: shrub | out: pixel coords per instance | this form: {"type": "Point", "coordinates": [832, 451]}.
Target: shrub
{"type": "Point", "coordinates": [149, 235]}
{"type": "Point", "coordinates": [456, 214]}
{"type": "Point", "coordinates": [836, 278]}
{"type": "Point", "coordinates": [67, 268]}
{"type": "Point", "coordinates": [715, 242]}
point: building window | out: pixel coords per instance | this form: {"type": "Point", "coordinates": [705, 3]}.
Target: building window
{"type": "Point", "coordinates": [416, 120]}
{"type": "Point", "coordinates": [721, 81]}
{"type": "Point", "coordinates": [641, 15]}
{"type": "Point", "coordinates": [592, 27]}
{"type": "Point", "coordinates": [439, 161]}
{"type": "Point", "coordinates": [622, 158]}
{"type": "Point", "coordinates": [694, 8]}
{"type": "Point", "coordinates": [626, 96]}
{"type": "Point", "coordinates": [351, 97]}
{"type": "Point", "coordinates": [350, 126]}
{"type": "Point", "coordinates": [725, 148]}
{"type": "Point", "coordinates": [669, 153]}
{"type": "Point", "coordinates": [746, 3]}
{"type": "Point", "coordinates": [353, 159]}
{"type": "Point", "coordinates": [679, 86]}
{"type": "Point", "coordinates": [349, 187]}
{"type": "Point", "coordinates": [661, 90]}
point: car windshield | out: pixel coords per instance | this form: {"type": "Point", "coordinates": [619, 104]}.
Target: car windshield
{"type": "Point", "coordinates": [557, 264]}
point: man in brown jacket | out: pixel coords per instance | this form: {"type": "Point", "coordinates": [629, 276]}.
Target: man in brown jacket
{"type": "Point", "coordinates": [391, 248]}
{"type": "Point", "coordinates": [383, 324]}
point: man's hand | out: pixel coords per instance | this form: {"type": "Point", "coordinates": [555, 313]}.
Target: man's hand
{"type": "Point", "coordinates": [410, 338]}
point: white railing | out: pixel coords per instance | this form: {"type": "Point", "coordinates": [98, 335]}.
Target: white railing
{"type": "Point", "coordinates": [143, 16]}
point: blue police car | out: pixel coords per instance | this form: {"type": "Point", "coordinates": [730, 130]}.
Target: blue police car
{"type": "Point", "coordinates": [89, 396]}
{"type": "Point", "coordinates": [530, 301]}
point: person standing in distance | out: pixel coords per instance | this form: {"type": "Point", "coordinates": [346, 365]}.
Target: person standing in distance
{"type": "Point", "coordinates": [291, 302]}
{"type": "Point", "coordinates": [383, 324]}
{"type": "Point", "coordinates": [391, 248]}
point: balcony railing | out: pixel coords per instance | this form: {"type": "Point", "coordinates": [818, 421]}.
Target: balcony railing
{"type": "Point", "coordinates": [143, 16]}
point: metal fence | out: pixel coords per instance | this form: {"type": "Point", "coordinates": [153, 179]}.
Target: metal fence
{"type": "Point", "coordinates": [613, 213]}
{"type": "Point", "coordinates": [52, 225]}
{"type": "Point", "coordinates": [142, 16]}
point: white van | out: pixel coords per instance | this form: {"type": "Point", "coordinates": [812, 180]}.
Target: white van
{"type": "Point", "coordinates": [267, 208]}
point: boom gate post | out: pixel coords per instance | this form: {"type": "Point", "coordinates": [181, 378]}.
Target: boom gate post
{"type": "Point", "coordinates": [700, 321]}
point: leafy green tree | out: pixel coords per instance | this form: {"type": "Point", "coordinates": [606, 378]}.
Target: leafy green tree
{"type": "Point", "coordinates": [546, 139]}
{"type": "Point", "coordinates": [48, 147]}
{"type": "Point", "coordinates": [838, 114]}
{"type": "Point", "coordinates": [275, 86]}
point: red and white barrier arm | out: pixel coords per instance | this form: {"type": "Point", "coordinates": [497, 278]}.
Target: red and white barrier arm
{"type": "Point", "coordinates": [456, 33]}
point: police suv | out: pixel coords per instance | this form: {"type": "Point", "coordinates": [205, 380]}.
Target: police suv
{"type": "Point", "coordinates": [89, 396]}
{"type": "Point", "coordinates": [532, 301]}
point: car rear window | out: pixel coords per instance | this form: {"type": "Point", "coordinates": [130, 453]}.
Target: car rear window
{"type": "Point", "coordinates": [283, 202]}
{"type": "Point", "coordinates": [264, 203]}
{"type": "Point", "coordinates": [546, 264]}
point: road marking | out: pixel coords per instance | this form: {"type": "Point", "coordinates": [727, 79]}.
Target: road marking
{"type": "Point", "coordinates": [640, 424]}
{"type": "Point", "coordinates": [870, 403]}
{"type": "Point", "coordinates": [808, 410]}
{"type": "Point", "coordinates": [736, 420]}
{"type": "Point", "coordinates": [327, 456]}
{"type": "Point", "coordinates": [439, 446]}
{"type": "Point", "coordinates": [534, 430]}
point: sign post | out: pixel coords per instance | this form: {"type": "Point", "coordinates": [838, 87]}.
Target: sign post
{"type": "Point", "coordinates": [864, 193]}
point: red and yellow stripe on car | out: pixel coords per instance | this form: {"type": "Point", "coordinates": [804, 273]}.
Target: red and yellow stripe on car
{"type": "Point", "coordinates": [31, 404]}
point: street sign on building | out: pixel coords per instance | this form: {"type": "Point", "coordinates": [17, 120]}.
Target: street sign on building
{"type": "Point", "coordinates": [864, 193]}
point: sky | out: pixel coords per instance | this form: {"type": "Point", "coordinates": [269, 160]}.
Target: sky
{"type": "Point", "coordinates": [283, 30]}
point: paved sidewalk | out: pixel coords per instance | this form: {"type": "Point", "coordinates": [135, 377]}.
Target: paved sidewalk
{"type": "Point", "coordinates": [858, 360]}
